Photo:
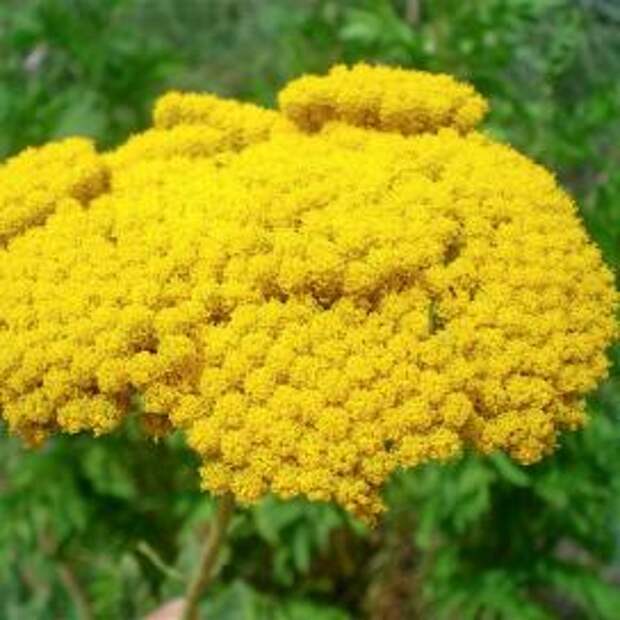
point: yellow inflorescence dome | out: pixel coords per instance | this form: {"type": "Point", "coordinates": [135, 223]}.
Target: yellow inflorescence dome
{"type": "Point", "coordinates": [319, 296]}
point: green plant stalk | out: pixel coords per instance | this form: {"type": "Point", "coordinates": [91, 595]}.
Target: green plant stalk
{"type": "Point", "coordinates": [75, 591]}
{"type": "Point", "coordinates": [205, 570]}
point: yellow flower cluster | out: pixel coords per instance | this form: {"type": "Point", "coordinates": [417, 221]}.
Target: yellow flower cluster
{"type": "Point", "coordinates": [409, 102]}
{"type": "Point", "coordinates": [317, 296]}
{"type": "Point", "coordinates": [35, 181]}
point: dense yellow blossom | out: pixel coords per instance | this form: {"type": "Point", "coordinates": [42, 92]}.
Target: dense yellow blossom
{"type": "Point", "coordinates": [389, 99]}
{"type": "Point", "coordinates": [368, 285]}
{"type": "Point", "coordinates": [35, 181]}
{"type": "Point", "coordinates": [242, 123]}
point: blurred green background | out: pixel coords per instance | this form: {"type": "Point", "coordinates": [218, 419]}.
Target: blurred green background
{"type": "Point", "coordinates": [109, 528]}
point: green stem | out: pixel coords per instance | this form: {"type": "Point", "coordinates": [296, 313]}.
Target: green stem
{"type": "Point", "coordinates": [205, 571]}
{"type": "Point", "coordinates": [75, 591]}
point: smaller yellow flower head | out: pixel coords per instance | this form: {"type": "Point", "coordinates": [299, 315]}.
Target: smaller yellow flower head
{"type": "Point", "coordinates": [317, 296]}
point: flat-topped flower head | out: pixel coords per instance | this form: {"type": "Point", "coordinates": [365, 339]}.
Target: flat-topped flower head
{"type": "Point", "coordinates": [317, 296]}
{"type": "Point", "coordinates": [384, 98]}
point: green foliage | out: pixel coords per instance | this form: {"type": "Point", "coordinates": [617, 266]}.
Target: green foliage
{"type": "Point", "coordinates": [75, 66]}
{"type": "Point", "coordinates": [499, 538]}
{"type": "Point", "coordinates": [113, 525]}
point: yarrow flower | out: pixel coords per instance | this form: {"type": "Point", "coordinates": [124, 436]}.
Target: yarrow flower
{"type": "Point", "coordinates": [316, 296]}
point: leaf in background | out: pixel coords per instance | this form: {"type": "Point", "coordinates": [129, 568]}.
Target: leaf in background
{"type": "Point", "coordinates": [510, 471]}
{"type": "Point", "coordinates": [82, 115]}
{"type": "Point", "coordinates": [107, 474]}
{"type": "Point", "coordinates": [236, 602]}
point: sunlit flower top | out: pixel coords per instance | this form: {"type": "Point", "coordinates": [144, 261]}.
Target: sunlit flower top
{"type": "Point", "coordinates": [316, 296]}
